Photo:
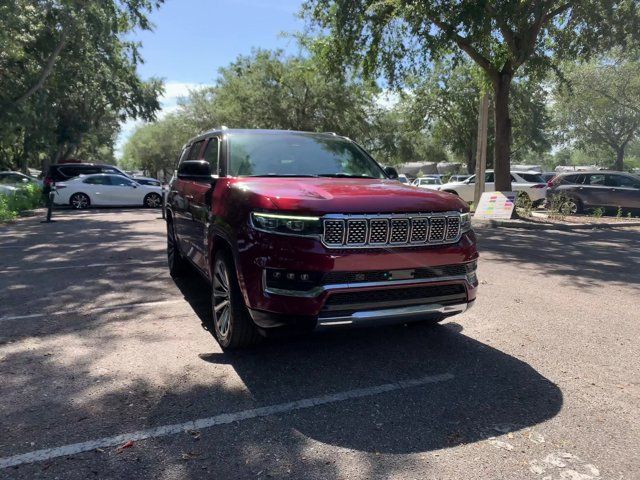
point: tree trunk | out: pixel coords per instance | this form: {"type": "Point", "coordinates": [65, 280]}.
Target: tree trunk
{"type": "Point", "coordinates": [502, 137]}
{"type": "Point", "coordinates": [471, 160]}
{"type": "Point", "coordinates": [619, 165]}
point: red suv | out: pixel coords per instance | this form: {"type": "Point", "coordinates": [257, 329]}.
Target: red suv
{"type": "Point", "coordinates": [302, 231]}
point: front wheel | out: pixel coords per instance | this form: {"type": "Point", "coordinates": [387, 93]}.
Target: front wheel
{"type": "Point", "coordinates": [233, 327]}
{"type": "Point", "coordinates": [153, 200]}
{"type": "Point", "coordinates": [79, 201]}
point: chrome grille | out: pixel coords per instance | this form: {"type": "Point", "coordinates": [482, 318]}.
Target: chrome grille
{"type": "Point", "coordinates": [438, 226]}
{"type": "Point", "coordinates": [333, 232]}
{"type": "Point", "coordinates": [361, 231]}
{"type": "Point", "coordinates": [379, 231]}
{"type": "Point", "coordinates": [356, 232]}
{"type": "Point", "coordinates": [453, 227]}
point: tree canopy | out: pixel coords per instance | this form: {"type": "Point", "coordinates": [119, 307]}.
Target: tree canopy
{"type": "Point", "coordinates": [599, 106]}
{"type": "Point", "coordinates": [505, 38]}
{"type": "Point", "coordinates": [68, 77]}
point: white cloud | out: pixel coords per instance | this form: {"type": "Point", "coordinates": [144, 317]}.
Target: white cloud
{"type": "Point", "coordinates": [173, 92]}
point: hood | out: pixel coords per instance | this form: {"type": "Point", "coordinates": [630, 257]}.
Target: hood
{"type": "Point", "coordinates": [320, 196]}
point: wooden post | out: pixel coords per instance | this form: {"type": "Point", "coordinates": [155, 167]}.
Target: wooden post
{"type": "Point", "coordinates": [481, 152]}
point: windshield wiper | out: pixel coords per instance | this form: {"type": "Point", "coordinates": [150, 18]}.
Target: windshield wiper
{"type": "Point", "coordinates": [343, 175]}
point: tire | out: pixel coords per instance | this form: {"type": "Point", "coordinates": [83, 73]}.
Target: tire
{"type": "Point", "coordinates": [574, 206]}
{"type": "Point", "coordinates": [178, 265]}
{"type": "Point", "coordinates": [233, 327]}
{"type": "Point", "coordinates": [80, 201]}
{"type": "Point", "coordinates": [152, 200]}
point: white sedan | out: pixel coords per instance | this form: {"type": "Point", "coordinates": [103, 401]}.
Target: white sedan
{"type": "Point", "coordinates": [106, 189]}
{"type": "Point", "coordinates": [529, 182]}
{"type": "Point", "coordinates": [427, 182]}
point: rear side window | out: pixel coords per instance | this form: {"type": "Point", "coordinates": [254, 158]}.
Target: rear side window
{"type": "Point", "coordinates": [97, 181]}
{"type": "Point", "coordinates": [75, 171]}
{"type": "Point", "coordinates": [194, 153]}
{"type": "Point", "coordinates": [596, 179]}
{"type": "Point", "coordinates": [571, 179]}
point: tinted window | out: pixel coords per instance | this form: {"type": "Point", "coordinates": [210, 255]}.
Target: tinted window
{"type": "Point", "coordinates": [298, 155]}
{"type": "Point", "coordinates": [211, 154]}
{"type": "Point", "coordinates": [596, 179]}
{"type": "Point", "coordinates": [75, 171]}
{"type": "Point", "coordinates": [531, 177]}
{"type": "Point", "coordinates": [120, 181]}
{"type": "Point", "coordinates": [97, 181]}
{"type": "Point", "coordinates": [622, 181]}
{"type": "Point", "coordinates": [194, 153]}
{"type": "Point", "coordinates": [194, 168]}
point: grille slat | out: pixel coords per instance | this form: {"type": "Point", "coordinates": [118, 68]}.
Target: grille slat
{"type": "Point", "coordinates": [390, 230]}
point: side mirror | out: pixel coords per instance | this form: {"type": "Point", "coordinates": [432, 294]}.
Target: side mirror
{"type": "Point", "coordinates": [391, 172]}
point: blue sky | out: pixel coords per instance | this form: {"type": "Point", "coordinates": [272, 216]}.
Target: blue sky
{"type": "Point", "coordinates": [193, 38]}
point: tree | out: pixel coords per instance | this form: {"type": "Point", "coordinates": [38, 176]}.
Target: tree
{"type": "Point", "coordinates": [68, 76]}
{"type": "Point", "coordinates": [504, 38]}
{"type": "Point", "coordinates": [263, 90]}
{"type": "Point", "coordinates": [599, 107]}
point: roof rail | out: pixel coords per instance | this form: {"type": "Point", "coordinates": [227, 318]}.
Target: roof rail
{"type": "Point", "coordinates": [331, 133]}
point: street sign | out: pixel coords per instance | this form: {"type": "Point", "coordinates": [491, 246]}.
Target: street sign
{"type": "Point", "coordinates": [498, 205]}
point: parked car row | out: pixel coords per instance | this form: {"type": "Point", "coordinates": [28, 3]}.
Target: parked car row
{"type": "Point", "coordinates": [82, 185]}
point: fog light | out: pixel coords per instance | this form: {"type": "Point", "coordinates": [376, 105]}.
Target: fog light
{"type": "Point", "coordinates": [472, 278]}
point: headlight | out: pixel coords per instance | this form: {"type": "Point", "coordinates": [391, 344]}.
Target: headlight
{"type": "Point", "coordinates": [465, 222]}
{"type": "Point", "coordinates": [286, 224]}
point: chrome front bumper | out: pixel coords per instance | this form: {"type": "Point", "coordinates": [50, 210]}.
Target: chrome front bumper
{"type": "Point", "coordinates": [393, 315]}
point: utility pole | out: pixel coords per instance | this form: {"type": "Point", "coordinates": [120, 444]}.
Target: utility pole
{"type": "Point", "coordinates": [481, 152]}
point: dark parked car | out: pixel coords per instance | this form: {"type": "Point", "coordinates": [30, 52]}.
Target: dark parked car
{"type": "Point", "coordinates": [18, 179]}
{"type": "Point", "coordinates": [585, 191]}
{"type": "Point", "coordinates": [300, 230]}
{"type": "Point", "coordinates": [65, 171]}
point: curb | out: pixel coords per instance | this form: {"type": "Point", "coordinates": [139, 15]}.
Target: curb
{"type": "Point", "coordinates": [553, 226]}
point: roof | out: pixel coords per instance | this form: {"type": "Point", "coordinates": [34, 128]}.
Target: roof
{"type": "Point", "coordinates": [260, 131]}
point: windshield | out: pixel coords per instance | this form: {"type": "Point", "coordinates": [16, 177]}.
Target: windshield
{"type": "Point", "coordinates": [298, 155]}
{"type": "Point", "coordinates": [431, 181]}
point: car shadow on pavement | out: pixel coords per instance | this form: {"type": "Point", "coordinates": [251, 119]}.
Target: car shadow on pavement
{"type": "Point", "coordinates": [490, 392]}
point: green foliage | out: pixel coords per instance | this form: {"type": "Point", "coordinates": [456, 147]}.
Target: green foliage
{"type": "Point", "coordinates": [25, 198]}
{"type": "Point", "coordinates": [524, 205]}
{"type": "Point", "coordinates": [402, 38]}
{"type": "Point", "coordinates": [446, 103]}
{"type": "Point", "coordinates": [68, 77]}
{"type": "Point", "coordinates": [597, 212]}
{"type": "Point", "coordinates": [270, 90]}
{"type": "Point", "coordinates": [598, 109]}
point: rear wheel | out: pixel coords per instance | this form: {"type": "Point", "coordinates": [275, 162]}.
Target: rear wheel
{"type": "Point", "coordinates": [233, 327]}
{"type": "Point", "coordinates": [153, 200]}
{"type": "Point", "coordinates": [574, 206]}
{"type": "Point", "coordinates": [79, 201]}
{"type": "Point", "coordinates": [177, 263]}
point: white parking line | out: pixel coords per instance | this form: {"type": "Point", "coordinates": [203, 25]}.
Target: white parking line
{"type": "Point", "coordinates": [90, 265]}
{"type": "Point", "coordinates": [91, 310]}
{"type": "Point", "coordinates": [223, 419]}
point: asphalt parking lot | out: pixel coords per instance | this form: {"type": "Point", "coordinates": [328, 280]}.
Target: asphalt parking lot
{"type": "Point", "coordinates": [107, 372]}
